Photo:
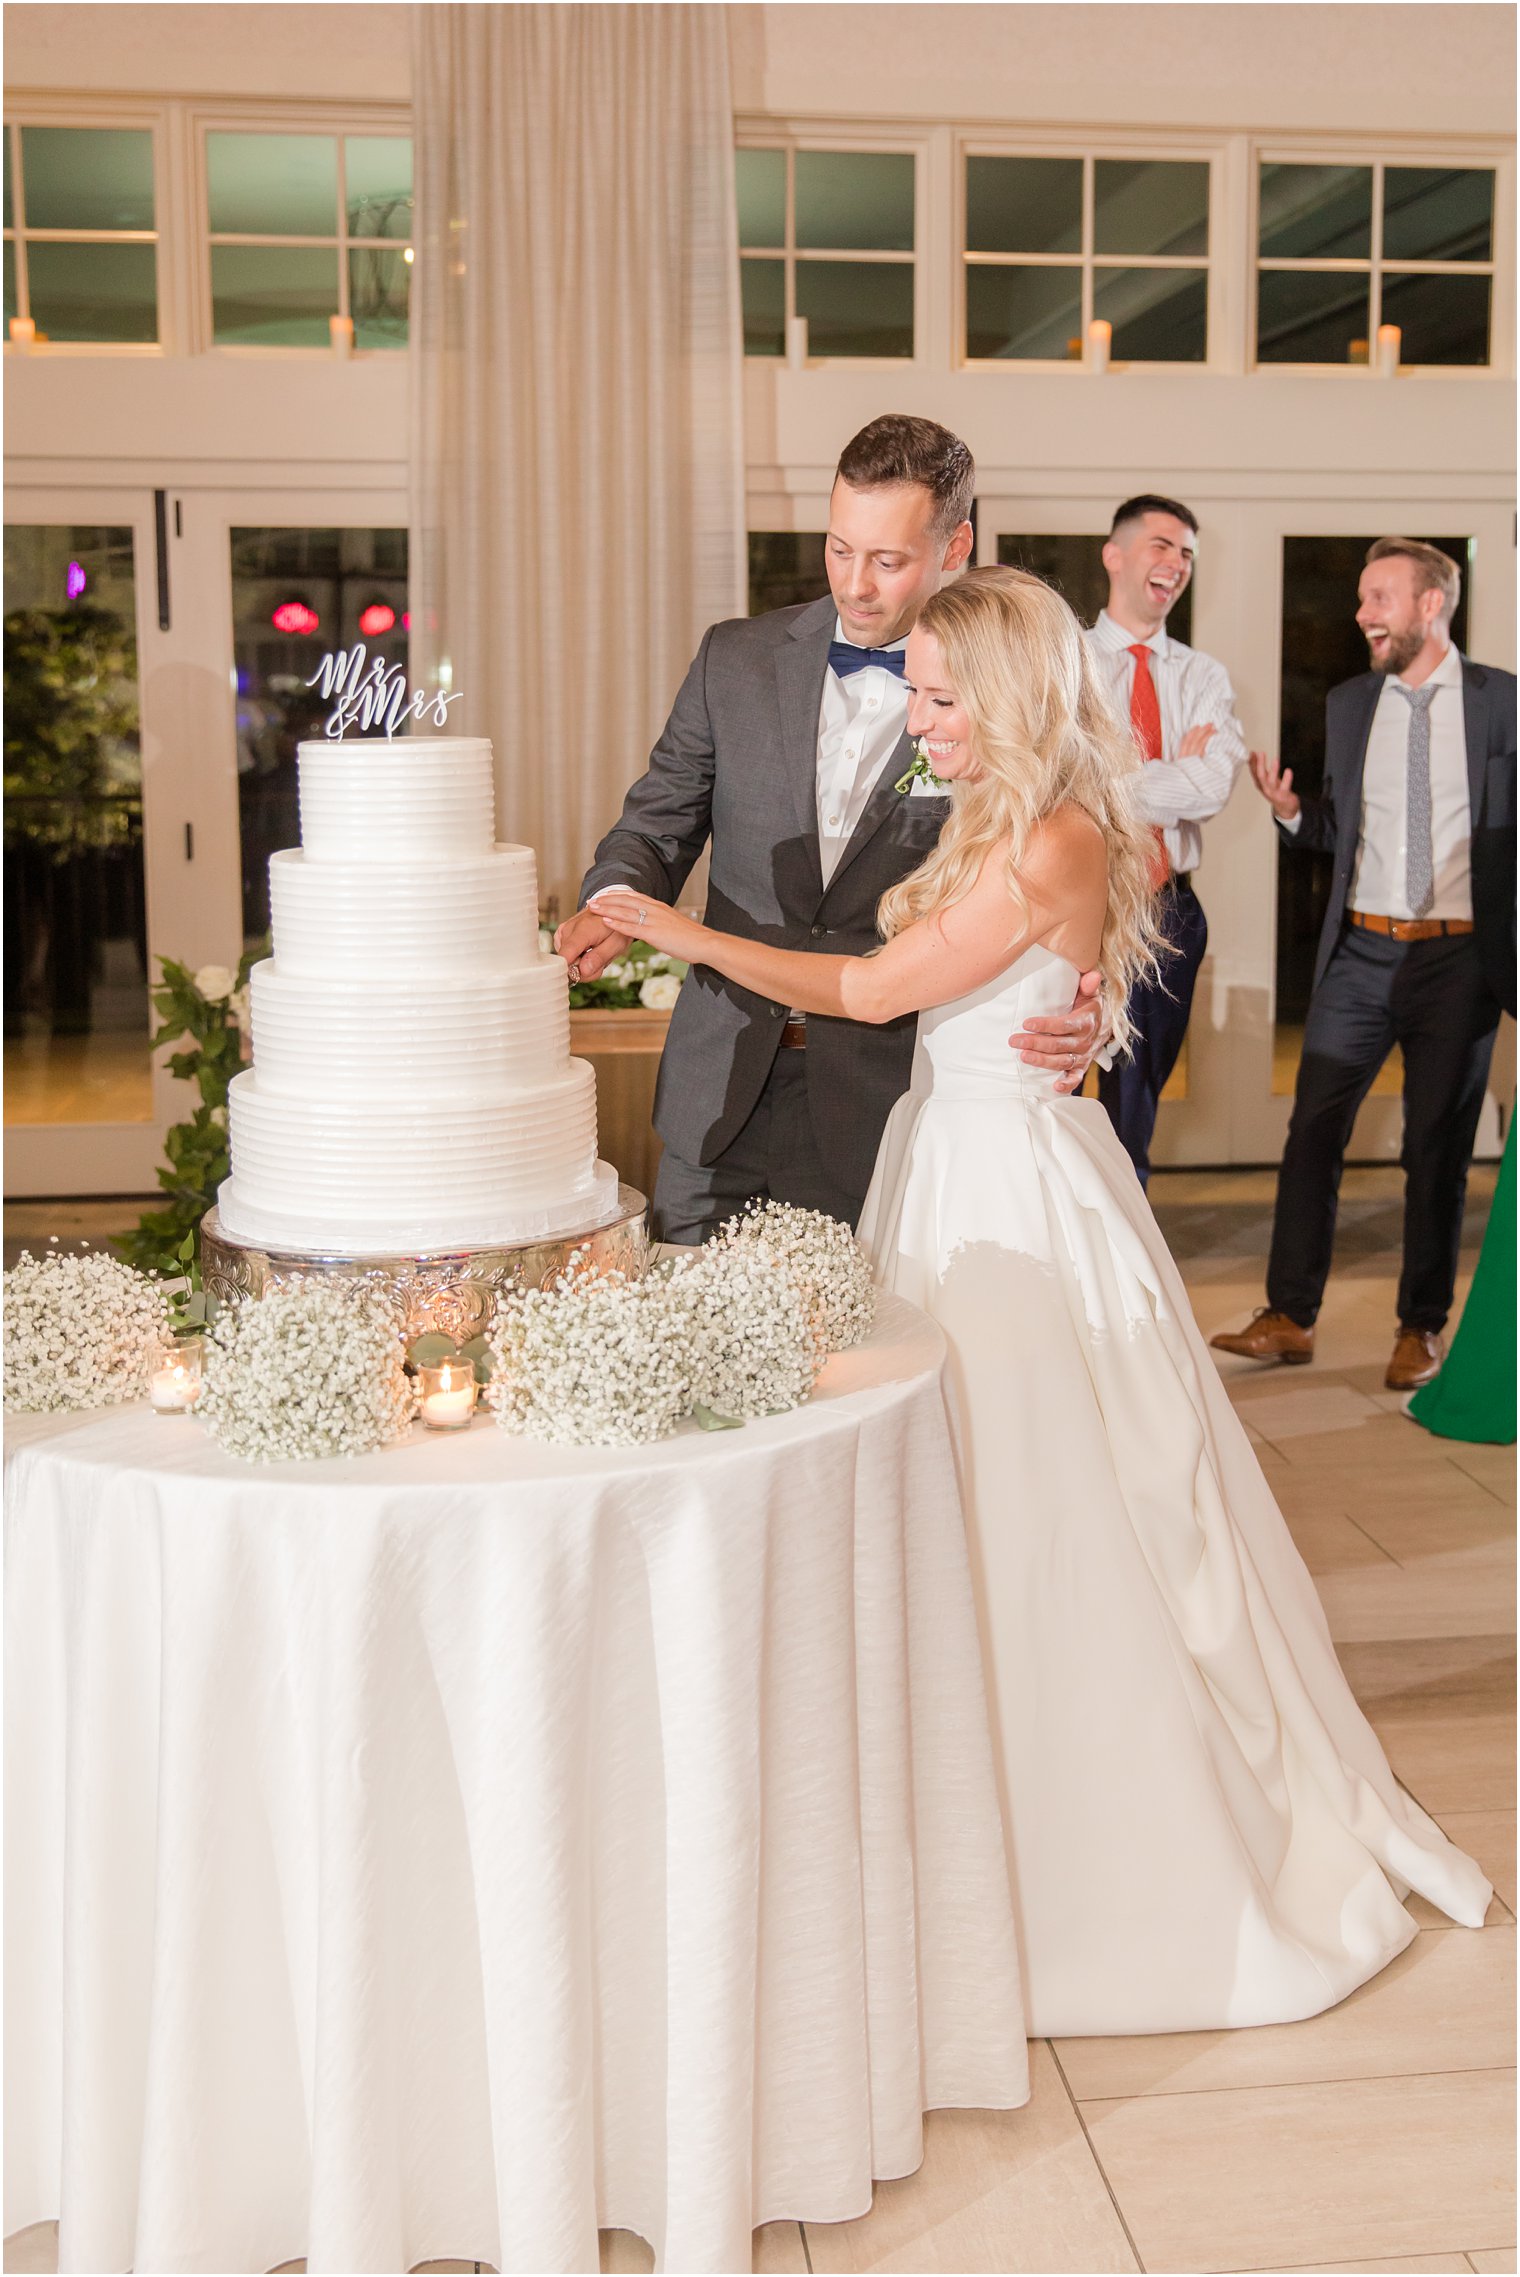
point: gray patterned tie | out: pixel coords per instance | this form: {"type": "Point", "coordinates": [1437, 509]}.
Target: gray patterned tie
{"type": "Point", "coordinates": [1419, 860]}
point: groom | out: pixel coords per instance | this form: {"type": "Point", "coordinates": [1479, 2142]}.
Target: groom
{"type": "Point", "coordinates": [786, 749]}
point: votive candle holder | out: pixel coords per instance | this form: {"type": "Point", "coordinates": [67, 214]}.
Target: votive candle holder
{"type": "Point", "coordinates": [448, 1394]}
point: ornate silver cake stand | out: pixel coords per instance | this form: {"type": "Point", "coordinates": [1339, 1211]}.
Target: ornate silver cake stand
{"type": "Point", "coordinates": [454, 1291]}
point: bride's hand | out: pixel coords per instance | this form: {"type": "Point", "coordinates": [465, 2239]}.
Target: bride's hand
{"type": "Point", "coordinates": [656, 922]}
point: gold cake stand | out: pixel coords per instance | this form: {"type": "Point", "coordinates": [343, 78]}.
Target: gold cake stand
{"type": "Point", "coordinates": [454, 1291]}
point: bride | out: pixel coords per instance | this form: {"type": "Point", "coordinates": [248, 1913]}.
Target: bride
{"type": "Point", "coordinates": [1203, 1829]}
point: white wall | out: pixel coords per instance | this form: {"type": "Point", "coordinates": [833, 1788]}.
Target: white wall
{"type": "Point", "coordinates": [241, 47]}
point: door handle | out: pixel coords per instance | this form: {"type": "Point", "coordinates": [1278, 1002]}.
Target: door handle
{"type": "Point", "coordinates": [161, 549]}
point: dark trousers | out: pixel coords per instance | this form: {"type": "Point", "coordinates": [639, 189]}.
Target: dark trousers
{"type": "Point", "coordinates": [774, 1158]}
{"type": "Point", "coordinates": [1430, 998]}
{"type": "Point", "coordinates": [1131, 1089]}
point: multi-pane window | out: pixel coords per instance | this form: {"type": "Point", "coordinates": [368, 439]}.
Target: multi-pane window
{"type": "Point", "coordinates": [305, 227]}
{"type": "Point", "coordinates": [1343, 249]}
{"type": "Point", "coordinates": [1051, 243]}
{"type": "Point", "coordinates": [81, 237]}
{"type": "Point", "coordinates": [827, 235]}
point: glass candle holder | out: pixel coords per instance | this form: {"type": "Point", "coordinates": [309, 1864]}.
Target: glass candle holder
{"type": "Point", "coordinates": [175, 1383]}
{"type": "Point", "coordinates": [448, 1394]}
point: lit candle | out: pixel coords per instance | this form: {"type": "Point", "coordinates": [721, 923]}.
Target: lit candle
{"type": "Point", "coordinates": [1100, 341]}
{"type": "Point", "coordinates": [175, 1384]}
{"type": "Point", "coordinates": [1389, 342]}
{"type": "Point", "coordinates": [23, 335]}
{"type": "Point", "coordinates": [448, 1394]}
{"type": "Point", "coordinates": [340, 330]}
{"type": "Point", "coordinates": [797, 342]}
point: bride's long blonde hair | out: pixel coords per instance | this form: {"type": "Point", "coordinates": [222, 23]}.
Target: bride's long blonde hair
{"type": "Point", "coordinates": [1043, 735]}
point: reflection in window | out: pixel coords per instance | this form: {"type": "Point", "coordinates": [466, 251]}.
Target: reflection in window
{"type": "Point", "coordinates": [1321, 646]}
{"type": "Point", "coordinates": [338, 577]}
{"type": "Point", "coordinates": [827, 235]}
{"type": "Point", "coordinates": [785, 569]}
{"type": "Point", "coordinates": [353, 193]}
{"type": "Point", "coordinates": [76, 977]}
{"type": "Point", "coordinates": [1321, 291]}
{"type": "Point", "coordinates": [81, 254]}
{"type": "Point", "coordinates": [1051, 242]}
{"type": "Point", "coordinates": [1074, 566]}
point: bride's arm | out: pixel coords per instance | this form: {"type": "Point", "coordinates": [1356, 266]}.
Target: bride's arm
{"type": "Point", "coordinates": [941, 957]}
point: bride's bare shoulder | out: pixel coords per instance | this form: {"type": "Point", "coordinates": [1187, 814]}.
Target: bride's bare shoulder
{"type": "Point", "coordinates": [1068, 844]}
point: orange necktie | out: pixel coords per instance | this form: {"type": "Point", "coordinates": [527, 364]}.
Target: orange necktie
{"type": "Point", "coordinates": [1145, 720]}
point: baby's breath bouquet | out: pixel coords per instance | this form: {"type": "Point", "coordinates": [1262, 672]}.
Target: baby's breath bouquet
{"type": "Point", "coordinates": [592, 1361]}
{"type": "Point", "coordinates": [821, 1256]}
{"type": "Point", "coordinates": [751, 1333]}
{"type": "Point", "coordinates": [314, 1368]}
{"type": "Point", "coordinates": [79, 1331]}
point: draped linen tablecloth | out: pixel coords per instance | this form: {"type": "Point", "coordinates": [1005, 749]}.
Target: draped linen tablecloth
{"type": "Point", "coordinates": [454, 1850]}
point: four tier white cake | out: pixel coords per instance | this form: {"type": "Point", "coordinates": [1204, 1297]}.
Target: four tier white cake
{"type": "Point", "coordinates": [412, 1088]}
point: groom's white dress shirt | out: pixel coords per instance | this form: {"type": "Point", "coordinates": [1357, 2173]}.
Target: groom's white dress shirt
{"type": "Point", "coordinates": [859, 723]}
{"type": "Point", "coordinates": [1193, 690]}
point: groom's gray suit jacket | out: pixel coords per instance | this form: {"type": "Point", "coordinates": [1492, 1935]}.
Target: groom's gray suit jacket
{"type": "Point", "coordinates": [737, 763]}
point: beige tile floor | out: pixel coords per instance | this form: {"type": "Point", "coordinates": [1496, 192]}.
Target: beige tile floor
{"type": "Point", "coordinates": [1380, 2136]}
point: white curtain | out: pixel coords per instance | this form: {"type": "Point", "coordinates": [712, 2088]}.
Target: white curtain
{"type": "Point", "coordinates": [577, 454]}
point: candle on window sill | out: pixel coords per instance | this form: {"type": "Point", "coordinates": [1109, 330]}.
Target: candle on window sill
{"type": "Point", "coordinates": [448, 1394]}
{"type": "Point", "coordinates": [797, 343]}
{"type": "Point", "coordinates": [1390, 341]}
{"type": "Point", "coordinates": [1100, 342]}
{"type": "Point", "coordinates": [175, 1384]}
{"type": "Point", "coordinates": [23, 335]}
{"type": "Point", "coordinates": [340, 330]}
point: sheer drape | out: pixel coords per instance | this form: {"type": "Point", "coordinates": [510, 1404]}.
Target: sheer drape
{"type": "Point", "coordinates": [577, 463]}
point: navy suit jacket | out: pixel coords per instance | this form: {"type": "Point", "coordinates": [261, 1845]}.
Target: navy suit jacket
{"type": "Point", "coordinates": [1331, 823]}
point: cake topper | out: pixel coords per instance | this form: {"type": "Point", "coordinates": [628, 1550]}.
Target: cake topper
{"type": "Point", "coordinates": [379, 697]}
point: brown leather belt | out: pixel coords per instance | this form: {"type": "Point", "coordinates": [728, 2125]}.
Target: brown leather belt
{"type": "Point", "coordinates": [1409, 928]}
{"type": "Point", "coordinates": [794, 1036]}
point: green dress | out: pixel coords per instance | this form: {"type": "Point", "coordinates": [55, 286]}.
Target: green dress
{"type": "Point", "coordinates": [1474, 1395]}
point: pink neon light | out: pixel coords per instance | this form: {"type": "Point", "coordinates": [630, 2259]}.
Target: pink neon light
{"type": "Point", "coordinates": [75, 582]}
{"type": "Point", "coordinates": [294, 617]}
{"type": "Point", "coordinates": [376, 619]}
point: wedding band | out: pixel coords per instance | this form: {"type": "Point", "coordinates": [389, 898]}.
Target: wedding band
{"type": "Point", "coordinates": [643, 913]}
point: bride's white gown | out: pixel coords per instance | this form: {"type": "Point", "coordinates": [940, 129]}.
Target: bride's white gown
{"type": "Point", "coordinates": [1203, 1828]}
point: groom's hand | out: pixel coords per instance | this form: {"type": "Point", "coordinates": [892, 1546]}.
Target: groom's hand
{"type": "Point", "coordinates": [588, 944]}
{"type": "Point", "coordinates": [1064, 1043]}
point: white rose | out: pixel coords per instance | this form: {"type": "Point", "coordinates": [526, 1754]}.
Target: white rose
{"type": "Point", "coordinates": [545, 941]}
{"type": "Point", "coordinates": [215, 982]}
{"type": "Point", "coordinates": [617, 972]}
{"type": "Point", "coordinates": [219, 1117]}
{"type": "Point", "coordinates": [659, 992]}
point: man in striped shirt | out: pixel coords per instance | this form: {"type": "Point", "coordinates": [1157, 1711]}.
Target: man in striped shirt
{"type": "Point", "coordinates": [1182, 709]}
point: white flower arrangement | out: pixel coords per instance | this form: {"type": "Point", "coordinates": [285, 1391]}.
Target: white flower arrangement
{"type": "Point", "coordinates": [215, 982]}
{"type": "Point", "coordinates": [314, 1368]}
{"type": "Point", "coordinates": [755, 1351]}
{"type": "Point", "coordinates": [659, 992]}
{"type": "Point", "coordinates": [824, 1259]}
{"type": "Point", "coordinates": [79, 1331]}
{"type": "Point", "coordinates": [591, 1362]}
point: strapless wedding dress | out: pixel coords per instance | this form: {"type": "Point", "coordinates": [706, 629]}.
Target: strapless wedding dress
{"type": "Point", "coordinates": [1203, 1829]}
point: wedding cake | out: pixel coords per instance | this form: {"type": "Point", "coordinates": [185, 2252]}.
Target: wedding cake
{"type": "Point", "coordinates": [412, 1088]}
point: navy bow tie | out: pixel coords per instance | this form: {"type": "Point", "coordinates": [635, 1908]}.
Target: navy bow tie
{"type": "Point", "coordinates": [844, 659]}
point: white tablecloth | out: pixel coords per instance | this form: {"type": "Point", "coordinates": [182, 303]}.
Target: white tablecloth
{"type": "Point", "coordinates": [451, 1851]}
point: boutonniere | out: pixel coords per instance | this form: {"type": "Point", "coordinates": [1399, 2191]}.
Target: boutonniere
{"type": "Point", "coordinates": [919, 772]}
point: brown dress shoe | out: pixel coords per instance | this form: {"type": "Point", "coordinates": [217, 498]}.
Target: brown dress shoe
{"type": "Point", "coordinates": [1270, 1336]}
{"type": "Point", "coordinates": [1417, 1356]}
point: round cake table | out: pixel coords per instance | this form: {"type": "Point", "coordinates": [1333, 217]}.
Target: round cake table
{"type": "Point", "coordinates": [452, 1851]}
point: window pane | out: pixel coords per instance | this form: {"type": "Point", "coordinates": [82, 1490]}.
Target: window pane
{"type": "Point", "coordinates": [1444, 319]}
{"type": "Point", "coordinates": [279, 296]}
{"type": "Point", "coordinates": [762, 287]}
{"type": "Point", "coordinates": [87, 177]}
{"type": "Point", "coordinates": [93, 292]}
{"type": "Point", "coordinates": [1311, 316]}
{"type": "Point", "coordinates": [76, 963]}
{"type": "Point", "coordinates": [1159, 316]}
{"type": "Point", "coordinates": [1074, 566]}
{"type": "Point", "coordinates": [377, 177]}
{"type": "Point", "coordinates": [342, 576]}
{"type": "Point", "coordinates": [10, 283]}
{"type": "Point", "coordinates": [1438, 213]}
{"type": "Point", "coordinates": [760, 183]}
{"type": "Point", "coordinates": [1323, 211]}
{"type": "Point", "coordinates": [379, 285]}
{"type": "Point", "coordinates": [852, 199]}
{"type": "Point", "coordinates": [857, 308]}
{"type": "Point", "coordinates": [1024, 312]}
{"type": "Point", "coordinates": [785, 568]}
{"type": "Point", "coordinates": [1023, 205]}
{"type": "Point", "coordinates": [9, 214]}
{"type": "Point", "coordinates": [273, 185]}
{"type": "Point", "coordinates": [1143, 208]}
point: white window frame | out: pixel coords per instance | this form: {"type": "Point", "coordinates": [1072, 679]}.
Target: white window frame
{"type": "Point", "coordinates": [84, 113]}
{"type": "Point", "coordinates": [266, 118]}
{"type": "Point", "coordinates": [1089, 148]}
{"type": "Point", "coordinates": [845, 141]}
{"type": "Point", "coordinates": [1377, 157]}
